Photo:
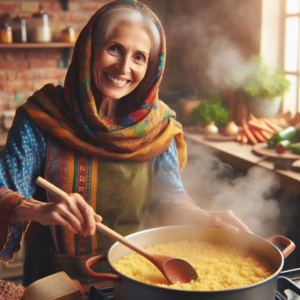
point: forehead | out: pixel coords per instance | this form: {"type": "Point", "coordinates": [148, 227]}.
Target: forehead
{"type": "Point", "coordinates": [134, 35]}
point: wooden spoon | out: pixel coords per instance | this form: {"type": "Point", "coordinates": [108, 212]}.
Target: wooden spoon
{"type": "Point", "coordinates": [174, 269]}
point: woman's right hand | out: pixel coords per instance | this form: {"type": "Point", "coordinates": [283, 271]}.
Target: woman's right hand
{"type": "Point", "coordinates": [71, 212]}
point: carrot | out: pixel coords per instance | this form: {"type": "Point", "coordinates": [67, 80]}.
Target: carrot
{"type": "Point", "coordinates": [260, 125]}
{"type": "Point", "coordinates": [266, 135]}
{"type": "Point", "coordinates": [272, 125]}
{"type": "Point", "coordinates": [244, 139]}
{"type": "Point", "coordinates": [257, 134]}
{"type": "Point", "coordinates": [249, 134]}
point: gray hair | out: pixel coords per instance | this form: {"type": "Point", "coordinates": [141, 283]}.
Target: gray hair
{"type": "Point", "coordinates": [107, 23]}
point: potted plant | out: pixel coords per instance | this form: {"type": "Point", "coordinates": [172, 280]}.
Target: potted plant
{"type": "Point", "coordinates": [262, 86]}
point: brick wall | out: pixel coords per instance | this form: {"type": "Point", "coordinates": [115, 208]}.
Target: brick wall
{"type": "Point", "coordinates": [200, 33]}
{"type": "Point", "coordinates": [22, 71]}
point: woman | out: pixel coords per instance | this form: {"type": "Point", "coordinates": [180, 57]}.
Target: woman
{"type": "Point", "coordinates": [107, 140]}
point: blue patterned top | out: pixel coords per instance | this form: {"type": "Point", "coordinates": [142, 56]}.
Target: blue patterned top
{"type": "Point", "coordinates": [22, 161]}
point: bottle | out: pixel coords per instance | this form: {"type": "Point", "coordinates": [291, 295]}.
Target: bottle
{"type": "Point", "coordinates": [19, 30]}
{"type": "Point", "coordinates": [5, 33]}
{"type": "Point", "coordinates": [39, 29]}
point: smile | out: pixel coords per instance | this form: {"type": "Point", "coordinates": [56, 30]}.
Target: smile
{"type": "Point", "coordinates": [116, 81]}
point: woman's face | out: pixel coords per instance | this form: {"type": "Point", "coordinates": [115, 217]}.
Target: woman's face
{"type": "Point", "coordinates": [121, 63]}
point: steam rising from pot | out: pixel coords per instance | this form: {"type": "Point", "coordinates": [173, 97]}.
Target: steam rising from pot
{"type": "Point", "coordinates": [214, 185]}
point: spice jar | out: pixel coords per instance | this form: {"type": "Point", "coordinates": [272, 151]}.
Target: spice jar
{"type": "Point", "coordinates": [5, 34]}
{"type": "Point", "coordinates": [19, 30]}
{"type": "Point", "coordinates": [68, 35]}
{"type": "Point", "coordinates": [39, 29]}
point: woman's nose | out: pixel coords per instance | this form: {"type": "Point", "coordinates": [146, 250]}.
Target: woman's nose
{"type": "Point", "coordinates": [124, 65]}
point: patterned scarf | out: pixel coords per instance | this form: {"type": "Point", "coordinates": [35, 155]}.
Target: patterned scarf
{"type": "Point", "coordinates": [70, 114]}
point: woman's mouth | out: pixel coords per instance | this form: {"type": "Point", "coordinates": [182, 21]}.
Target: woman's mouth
{"type": "Point", "coordinates": [116, 81]}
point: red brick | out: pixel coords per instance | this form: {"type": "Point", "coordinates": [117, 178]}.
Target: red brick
{"type": "Point", "coordinates": [14, 55]}
{"type": "Point", "coordinates": [79, 17]}
{"type": "Point", "coordinates": [2, 75]}
{"type": "Point", "coordinates": [14, 65]}
{"type": "Point", "coordinates": [37, 54]}
{"type": "Point", "coordinates": [54, 74]}
{"type": "Point", "coordinates": [14, 85]}
{"type": "Point", "coordinates": [11, 74]}
{"type": "Point", "coordinates": [29, 74]}
{"type": "Point", "coordinates": [9, 6]}
{"type": "Point", "coordinates": [38, 84]}
{"type": "Point", "coordinates": [40, 64]}
{"type": "Point", "coordinates": [74, 6]}
{"type": "Point", "coordinates": [90, 7]}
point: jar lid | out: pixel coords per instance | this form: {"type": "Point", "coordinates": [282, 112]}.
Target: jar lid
{"type": "Point", "coordinates": [18, 18]}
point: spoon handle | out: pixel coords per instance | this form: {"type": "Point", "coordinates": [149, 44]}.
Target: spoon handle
{"type": "Point", "coordinates": [116, 236]}
{"type": "Point", "coordinates": [100, 226]}
{"type": "Point", "coordinates": [48, 186]}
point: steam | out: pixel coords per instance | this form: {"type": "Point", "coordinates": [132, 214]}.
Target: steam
{"type": "Point", "coordinates": [215, 185]}
{"type": "Point", "coordinates": [213, 41]}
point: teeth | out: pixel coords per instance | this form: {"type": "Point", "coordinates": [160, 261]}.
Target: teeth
{"type": "Point", "coordinates": [116, 81]}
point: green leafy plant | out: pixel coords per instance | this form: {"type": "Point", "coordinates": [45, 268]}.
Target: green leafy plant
{"type": "Point", "coordinates": [211, 109]}
{"type": "Point", "coordinates": [263, 82]}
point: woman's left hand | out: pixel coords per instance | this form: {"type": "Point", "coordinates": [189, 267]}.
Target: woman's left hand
{"type": "Point", "coordinates": [189, 213]}
{"type": "Point", "coordinates": [220, 218]}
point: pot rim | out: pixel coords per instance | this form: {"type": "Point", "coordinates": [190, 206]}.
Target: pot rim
{"type": "Point", "coordinates": [142, 232]}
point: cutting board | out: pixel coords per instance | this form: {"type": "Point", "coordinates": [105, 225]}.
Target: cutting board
{"type": "Point", "coordinates": [296, 166]}
{"type": "Point", "coordinates": [262, 149]}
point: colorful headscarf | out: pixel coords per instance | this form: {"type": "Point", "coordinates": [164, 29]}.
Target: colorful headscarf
{"type": "Point", "coordinates": [71, 116]}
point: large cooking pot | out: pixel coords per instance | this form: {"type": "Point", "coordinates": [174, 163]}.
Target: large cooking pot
{"type": "Point", "coordinates": [126, 288]}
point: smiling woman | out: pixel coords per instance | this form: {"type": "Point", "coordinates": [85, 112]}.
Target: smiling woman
{"type": "Point", "coordinates": [128, 41]}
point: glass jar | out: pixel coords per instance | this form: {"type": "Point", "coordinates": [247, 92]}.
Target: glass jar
{"type": "Point", "coordinates": [68, 35]}
{"type": "Point", "coordinates": [19, 30]}
{"type": "Point", "coordinates": [39, 29]}
{"type": "Point", "coordinates": [5, 34]}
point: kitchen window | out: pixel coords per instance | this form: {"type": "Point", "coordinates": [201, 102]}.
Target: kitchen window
{"type": "Point", "coordinates": [291, 54]}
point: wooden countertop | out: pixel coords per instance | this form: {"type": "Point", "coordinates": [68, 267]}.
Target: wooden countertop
{"type": "Point", "coordinates": [242, 158]}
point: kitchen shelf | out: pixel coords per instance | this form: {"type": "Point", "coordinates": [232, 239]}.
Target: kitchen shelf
{"type": "Point", "coordinates": [36, 45]}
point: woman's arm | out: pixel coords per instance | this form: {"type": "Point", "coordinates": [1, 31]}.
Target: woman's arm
{"type": "Point", "coordinates": [20, 162]}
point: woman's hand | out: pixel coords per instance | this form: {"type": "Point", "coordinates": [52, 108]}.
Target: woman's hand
{"type": "Point", "coordinates": [189, 213]}
{"type": "Point", "coordinates": [220, 218]}
{"type": "Point", "coordinates": [70, 211]}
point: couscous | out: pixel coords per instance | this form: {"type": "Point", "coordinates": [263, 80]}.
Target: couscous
{"type": "Point", "coordinates": [219, 266]}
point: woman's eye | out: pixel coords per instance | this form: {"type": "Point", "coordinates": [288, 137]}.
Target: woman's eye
{"type": "Point", "coordinates": [141, 57]}
{"type": "Point", "coordinates": [114, 48]}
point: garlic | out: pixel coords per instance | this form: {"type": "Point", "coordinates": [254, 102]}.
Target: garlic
{"type": "Point", "coordinates": [231, 128]}
{"type": "Point", "coordinates": [211, 128]}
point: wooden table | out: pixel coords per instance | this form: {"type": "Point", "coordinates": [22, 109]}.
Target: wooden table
{"type": "Point", "coordinates": [242, 158]}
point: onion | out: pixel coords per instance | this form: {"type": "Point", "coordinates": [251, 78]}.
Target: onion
{"type": "Point", "coordinates": [211, 128]}
{"type": "Point", "coordinates": [231, 128]}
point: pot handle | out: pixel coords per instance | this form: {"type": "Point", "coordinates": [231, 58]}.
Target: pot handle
{"type": "Point", "coordinates": [105, 276]}
{"type": "Point", "coordinates": [290, 246]}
